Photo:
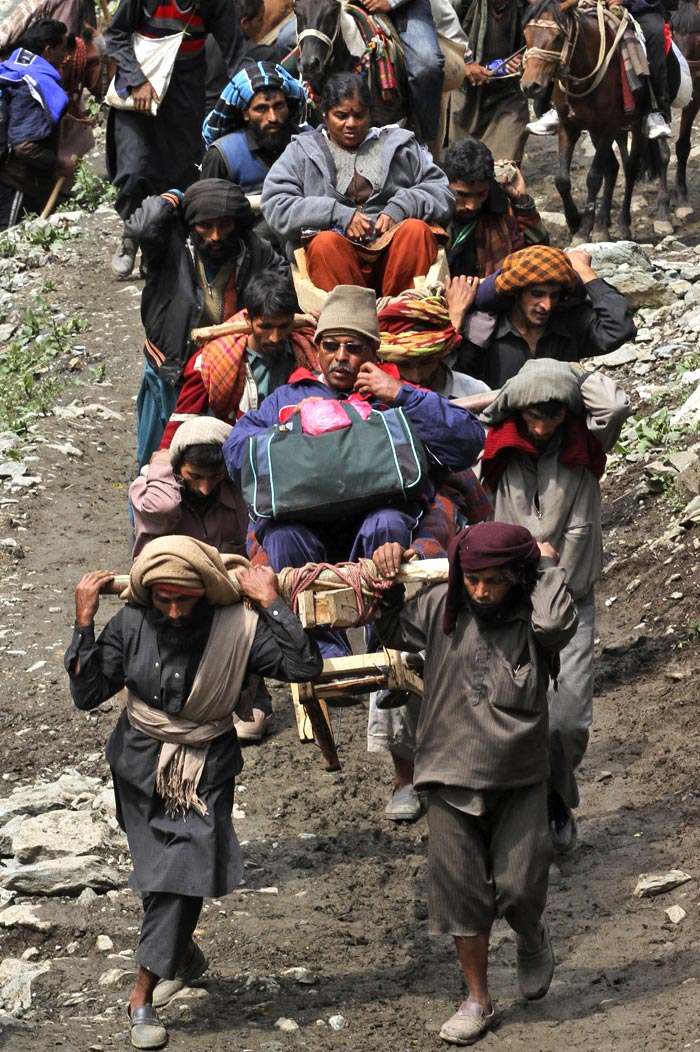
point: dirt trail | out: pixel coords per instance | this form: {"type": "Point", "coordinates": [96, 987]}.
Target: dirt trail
{"type": "Point", "coordinates": [330, 886]}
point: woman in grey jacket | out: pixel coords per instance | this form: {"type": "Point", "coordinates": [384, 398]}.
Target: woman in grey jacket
{"type": "Point", "coordinates": [360, 200]}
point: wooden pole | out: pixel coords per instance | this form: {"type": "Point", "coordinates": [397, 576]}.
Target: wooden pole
{"type": "Point", "coordinates": [235, 328]}
{"type": "Point", "coordinates": [53, 197]}
{"type": "Point", "coordinates": [416, 571]}
{"type": "Point", "coordinates": [476, 403]}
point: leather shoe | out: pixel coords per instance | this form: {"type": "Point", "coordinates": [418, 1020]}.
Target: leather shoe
{"type": "Point", "coordinates": [468, 1023]}
{"type": "Point", "coordinates": [146, 1029]}
{"type": "Point", "coordinates": [123, 259]}
{"type": "Point", "coordinates": [535, 964]}
{"type": "Point", "coordinates": [256, 729]}
{"type": "Point", "coordinates": [167, 988]}
{"type": "Point", "coordinates": [404, 806]}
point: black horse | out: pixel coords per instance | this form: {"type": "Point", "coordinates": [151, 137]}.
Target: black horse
{"type": "Point", "coordinates": [324, 51]}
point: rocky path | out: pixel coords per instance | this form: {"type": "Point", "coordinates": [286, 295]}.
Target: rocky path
{"type": "Point", "coordinates": [325, 945]}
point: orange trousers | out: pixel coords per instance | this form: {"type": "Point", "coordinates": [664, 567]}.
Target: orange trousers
{"type": "Point", "coordinates": [333, 260]}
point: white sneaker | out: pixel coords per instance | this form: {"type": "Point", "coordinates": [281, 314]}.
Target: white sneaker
{"type": "Point", "coordinates": [547, 124]}
{"type": "Point", "coordinates": [657, 128]}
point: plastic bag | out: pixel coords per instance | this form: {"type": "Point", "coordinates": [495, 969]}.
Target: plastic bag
{"type": "Point", "coordinates": [320, 416]}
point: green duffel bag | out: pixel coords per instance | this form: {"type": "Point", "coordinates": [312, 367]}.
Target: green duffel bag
{"type": "Point", "coordinates": [290, 476]}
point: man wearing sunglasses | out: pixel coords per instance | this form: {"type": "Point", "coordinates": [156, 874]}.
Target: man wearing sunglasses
{"type": "Point", "coordinates": [347, 338]}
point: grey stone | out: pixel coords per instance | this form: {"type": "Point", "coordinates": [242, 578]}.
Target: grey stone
{"type": "Point", "coordinates": [57, 834]}
{"type": "Point", "coordinates": [689, 412]}
{"type": "Point", "coordinates": [86, 898]}
{"type": "Point", "coordinates": [16, 977]}
{"type": "Point", "coordinates": [71, 788]}
{"type": "Point", "coordinates": [94, 409]}
{"type": "Point", "coordinates": [622, 356]}
{"type": "Point", "coordinates": [67, 448]}
{"type": "Point", "coordinates": [25, 916]}
{"type": "Point", "coordinates": [61, 876]}
{"type": "Point", "coordinates": [7, 832]}
{"type": "Point", "coordinates": [629, 269]}
{"type": "Point", "coordinates": [672, 350]}
{"type": "Point", "coordinates": [104, 944]}
{"type": "Point", "coordinates": [12, 469]}
{"type": "Point", "coordinates": [115, 977]}
{"type": "Point", "coordinates": [105, 802]}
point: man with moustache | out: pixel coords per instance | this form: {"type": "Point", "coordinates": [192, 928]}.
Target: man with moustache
{"type": "Point", "coordinates": [251, 125]}
{"type": "Point", "coordinates": [188, 650]}
{"type": "Point", "coordinates": [491, 636]}
{"type": "Point", "coordinates": [550, 428]}
{"type": "Point", "coordinates": [347, 338]}
{"type": "Point", "coordinates": [547, 304]}
{"type": "Point", "coordinates": [201, 255]}
{"type": "Point", "coordinates": [235, 372]}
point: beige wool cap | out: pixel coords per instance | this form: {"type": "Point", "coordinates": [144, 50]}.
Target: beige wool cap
{"type": "Point", "coordinates": [350, 308]}
{"type": "Point", "coordinates": [201, 430]}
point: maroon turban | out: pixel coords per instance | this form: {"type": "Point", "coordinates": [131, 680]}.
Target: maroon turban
{"type": "Point", "coordinates": [480, 547]}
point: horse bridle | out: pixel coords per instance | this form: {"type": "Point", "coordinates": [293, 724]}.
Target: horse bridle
{"type": "Point", "coordinates": [328, 41]}
{"type": "Point", "coordinates": [561, 57]}
{"type": "Point", "coordinates": [558, 58]}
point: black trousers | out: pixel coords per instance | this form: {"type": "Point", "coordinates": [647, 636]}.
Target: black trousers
{"type": "Point", "coordinates": [168, 924]}
{"type": "Point", "coordinates": [652, 23]}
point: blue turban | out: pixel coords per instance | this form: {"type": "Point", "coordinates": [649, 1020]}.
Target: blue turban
{"type": "Point", "coordinates": [227, 115]}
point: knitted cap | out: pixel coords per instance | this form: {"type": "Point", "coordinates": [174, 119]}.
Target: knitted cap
{"type": "Point", "coordinates": [201, 430]}
{"type": "Point", "coordinates": [352, 309]}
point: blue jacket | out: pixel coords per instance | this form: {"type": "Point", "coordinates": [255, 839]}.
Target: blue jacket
{"type": "Point", "coordinates": [452, 437]}
{"type": "Point", "coordinates": [36, 99]}
{"type": "Point", "coordinates": [242, 166]}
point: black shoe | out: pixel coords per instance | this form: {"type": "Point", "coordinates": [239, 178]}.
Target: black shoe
{"type": "Point", "coordinates": [562, 825]}
{"type": "Point", "coordinates": [392, 699]}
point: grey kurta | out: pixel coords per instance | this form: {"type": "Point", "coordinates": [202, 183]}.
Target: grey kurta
{"type": "Point", "coordinates": [483, 720]}
{"type": "Point", "coordinates": [194, 855]}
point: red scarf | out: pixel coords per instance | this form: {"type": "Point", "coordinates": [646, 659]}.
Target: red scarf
{"type": "Point", "coordinates": [579, 449]}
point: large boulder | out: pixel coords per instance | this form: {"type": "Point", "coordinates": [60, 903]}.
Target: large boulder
{"type": "Point", "coordinates": [626, 266]}
{"type": "Point", "coordinates": [61, 876]}
{"type": "Point", "coordinates": [58, 833]}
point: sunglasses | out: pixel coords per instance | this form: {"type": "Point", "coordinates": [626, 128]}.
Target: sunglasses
{"type": "Point", "coordinates": [331, 346]}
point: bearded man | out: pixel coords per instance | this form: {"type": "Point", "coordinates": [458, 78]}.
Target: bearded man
{"type": "Point", "coordinates": [200, 255]}
{"type": "Point", "coordinates": [185, 647]}
{"type": "Point", "coordinates": [490, 636]}
{"type": "Point", "coordinates": [252, 124]}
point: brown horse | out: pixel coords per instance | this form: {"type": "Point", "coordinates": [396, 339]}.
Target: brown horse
{"type": "Point", "coordinates": [685, 24]}
{"type": "Point", "coordinates": [588, 95]}
{"type": "Point", "coordinates": [324, 51]}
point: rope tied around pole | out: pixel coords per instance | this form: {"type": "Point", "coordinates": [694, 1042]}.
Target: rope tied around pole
{"type": "Point", "coordinates": [362, 577]}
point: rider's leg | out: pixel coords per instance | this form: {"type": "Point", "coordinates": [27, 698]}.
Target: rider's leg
{"type": "Point", "coordinates": [652, 23]}
{"type": "Point", "coordinates": [424, 63]}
